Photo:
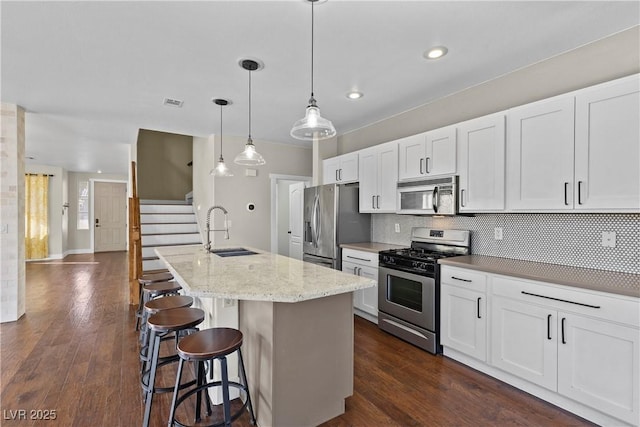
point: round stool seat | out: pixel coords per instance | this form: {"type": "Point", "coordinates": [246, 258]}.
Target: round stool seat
{"type": "Point", "coordinates": [159, 288]}
{"type": "Point", "coordinates": [155, 277]}
{"type": "Point", "coordinates": [210, 343]}
{"type": "Point", "coordinates": [175, 319]}
{"type": "Point", "coordinates": [167, 303]}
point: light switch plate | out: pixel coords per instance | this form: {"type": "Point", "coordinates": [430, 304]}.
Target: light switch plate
{"type": "Point", "coordinates": [609, 239]}
{"type": "Point", "coordinates": [397, 228]}
{"type": "Point", "coordinates": [497, 233]}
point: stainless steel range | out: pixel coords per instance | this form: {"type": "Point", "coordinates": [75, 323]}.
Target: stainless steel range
{"type": "Point", "coordinates": [409, 285]}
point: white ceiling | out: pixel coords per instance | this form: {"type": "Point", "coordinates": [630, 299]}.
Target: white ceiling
{"type": "Point", "coordinates": [90, 74]}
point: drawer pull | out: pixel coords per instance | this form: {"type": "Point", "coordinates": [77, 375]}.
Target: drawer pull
{"type": "Point", "coordinates": [462, 280]}
{"type": "Point", "coordinates": [478, 314]}
{"type": "Point", "coordinates": [561, 300]}
{"type": "Point", "coordinates": [360, 259]}
{"type": "Point", "coordinates": [562, 329]}
{"type": "Point", "coordinates": [549, 327]}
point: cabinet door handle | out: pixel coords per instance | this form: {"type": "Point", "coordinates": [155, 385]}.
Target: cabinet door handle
{"type": "Point", "coordinates": [337, 175]}
{"type": "Point", "coordinates": [479, 298]}
{"type": "Point", "coordinates": [549, 327]}
{"type": "Point", "coordinates": [421, 160]}
{"type": "Point", "coordinates": [579, 192]}
{"type": "Point", "coordinates": [340, 174]}
{"type": "Point", "coordinates": [377, 202]}
{"type": "Point", "coordinates": [562, 329]}
{"type": "Point", "coordinates": [355, 271]}
{"type": "Point", "coordinates": [462, 280]}
{"type": "Point", "coordinates": [559, 299]}
{"type": "Point", "coordinates": [359, 259]}
{"type": "Point", "coordinates": [373, 202]}
{"type": "Point", "coordinates": [426, 164]}
{"type": "Point", "coordinates": [566, 192]}
{"type": "Point", "coordinates": [462, 197]}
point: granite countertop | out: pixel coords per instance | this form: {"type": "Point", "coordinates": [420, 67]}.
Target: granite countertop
{"type": "Point", "coordinates": [261, 277]}
{"type": "Point", "coordinates": [374, 247]}
{"type": "Point", "coordinates": [613, 282]}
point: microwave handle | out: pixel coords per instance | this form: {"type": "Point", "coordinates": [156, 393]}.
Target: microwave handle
{"type": "Point", "coordinates": [434, 199]}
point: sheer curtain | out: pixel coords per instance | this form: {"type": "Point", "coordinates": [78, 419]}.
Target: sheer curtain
{"type": "Point", "coordinates": [36, 218]}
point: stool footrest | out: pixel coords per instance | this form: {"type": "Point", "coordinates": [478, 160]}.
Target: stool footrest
{"type": "Point", "coordinates": [190, 393]}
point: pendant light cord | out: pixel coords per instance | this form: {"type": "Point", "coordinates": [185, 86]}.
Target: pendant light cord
{"type": "Point", "coordinates": [221, 131]}
{"type": "Point", "coordinates": [312, 20]}
{"type": "Point", "coordinates": [249, 104]}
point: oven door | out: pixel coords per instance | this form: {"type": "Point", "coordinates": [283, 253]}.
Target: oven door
{"type": "Point", "coordinates": [407, 296]}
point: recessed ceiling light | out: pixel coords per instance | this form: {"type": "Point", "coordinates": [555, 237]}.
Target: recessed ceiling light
{"type": "Point", "coordinates": [355, 95]}
{"type": "Point", "coordinates": [30, 158]}
{"type": "Point", "coordinates": [436, 52]}
{"type": "Point", "coordinates": [99, 171]}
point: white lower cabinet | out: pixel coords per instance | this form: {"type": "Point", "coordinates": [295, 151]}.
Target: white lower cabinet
{"type": "Point", "coordinates": [598, 365]}
{"type": "Point", "coordinates": [365, 264]}
{"type": "Point", "coordinates": [463, 319]}
{"type": "Point", "coordinates": [575, 348]}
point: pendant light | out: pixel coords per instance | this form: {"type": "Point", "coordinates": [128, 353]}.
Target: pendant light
{"type": "Point", "coordinates": [312, 125]}
{"type": "Point", "coordinates": [249, 157]}
{"type": "Point", "coordinates": [221, 170]}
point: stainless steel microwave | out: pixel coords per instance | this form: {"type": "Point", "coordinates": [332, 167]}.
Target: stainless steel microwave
{"type": "Point", "coordinates": [436, 196]}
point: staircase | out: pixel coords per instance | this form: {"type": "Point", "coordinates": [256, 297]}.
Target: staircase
{"type": "Point", "coordinates": [165, 223]}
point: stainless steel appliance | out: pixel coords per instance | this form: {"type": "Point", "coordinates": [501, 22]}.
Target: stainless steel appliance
{"type": "Point", "coordinates": [409, 285]}
{"type": "Point", "coordinates": [435, 196]}
{"type": "Point", "coordinates": [331, 217]}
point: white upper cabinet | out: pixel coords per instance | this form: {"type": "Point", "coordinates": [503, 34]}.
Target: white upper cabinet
{"type": "Point", "coordinates": [340, 169]}
{"type": "Point", "coordinates": [607, 148]}
{"type": "Point", "coordinates": [427, 154]}
{"type": "Point", "coordinates": [378, 170]}
{"type": "Point", "coordinates": [540, 155]}
{"type": "Point", "coordinates": [578, 151]}
{"type": "Point", "coordinates": [481, 164]}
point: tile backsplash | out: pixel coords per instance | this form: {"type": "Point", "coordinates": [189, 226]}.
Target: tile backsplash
{"type": "Point", "coordinates": [567, 239]}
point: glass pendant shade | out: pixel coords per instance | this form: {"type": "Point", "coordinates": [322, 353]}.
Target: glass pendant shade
{"type": "Point", "coordinates": [313, 125]}
{"type": "Point", "coordinates": [221, 169]}
{"type": "Point", "coordinates": [249, 157]}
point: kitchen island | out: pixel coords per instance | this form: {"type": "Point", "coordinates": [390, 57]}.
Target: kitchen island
{"type": "Point", "coordinates": [297, 321]}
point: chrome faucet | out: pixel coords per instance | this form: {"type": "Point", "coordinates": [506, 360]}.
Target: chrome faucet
{"type": "Point", "coordinates": [209, 229]}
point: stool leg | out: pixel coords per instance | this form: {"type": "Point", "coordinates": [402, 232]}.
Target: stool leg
{"type": "Point", "coordinates": [225, 391]}
{"type": "Point", "coordinates": [199, 382]}
{"type": "Point", "coordinates": [243, 378]}
{"type": "Point", "coordinates": [139, 311]}
{"type": "Point", "coordinates": [152, 377]}
{"type": "Point", "coordinates": [172, 414]}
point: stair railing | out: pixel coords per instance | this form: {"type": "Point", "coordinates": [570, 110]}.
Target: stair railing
{"type": "Point", "coordinates": [135, 240]}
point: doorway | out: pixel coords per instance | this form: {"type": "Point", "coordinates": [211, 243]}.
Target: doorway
{"type": "Point", "coordinates": [286, 206]}
{"type": "Point", "coordinates": [109, 216]}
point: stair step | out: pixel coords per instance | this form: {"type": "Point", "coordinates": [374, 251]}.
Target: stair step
{"type": "Point", "coordinates": [166, 209]}
{"type": "Point", "coordinates": [171, 239]}
{"type": "Point", "coordinates": [169, 227]}
{"type": "Point", "coordinates": [157, 218]}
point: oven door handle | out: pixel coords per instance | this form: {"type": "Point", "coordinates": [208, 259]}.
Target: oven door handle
{"type": "Point", "coordinates": [434, 199]}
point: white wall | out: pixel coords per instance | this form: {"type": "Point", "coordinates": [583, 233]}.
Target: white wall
{"type": "Point", "coordinates": [203, 162]}
{"type": "Point", "coordinates": [57, 218]}
{"type": "Point", "coordinates": [253, 228]}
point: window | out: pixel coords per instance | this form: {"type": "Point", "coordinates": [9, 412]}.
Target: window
{"type": "Point", "coordinates": [83, 205]}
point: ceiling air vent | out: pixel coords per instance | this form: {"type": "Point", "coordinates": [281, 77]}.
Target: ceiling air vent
{"type": "Point", "coordinates": [173, 102]}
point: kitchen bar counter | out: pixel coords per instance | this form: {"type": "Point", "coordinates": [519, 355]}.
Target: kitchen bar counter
{"type": "Point", "coordinates": [374, 247]}
{"type": "Point", "coordinates": [598, 280]}
{"type": "Point", "coordinates": [297, 322]}
{"type": "Point", "coordinates": [261, 277]}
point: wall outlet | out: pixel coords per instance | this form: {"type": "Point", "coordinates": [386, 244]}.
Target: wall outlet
{"type": "Point", "coordinates": [4, 228]}
{"type": "Point", "coordinates": [228, 302]}
{"type": "Point", "coordinates": [397, 228]}
{"type": "Point", "coordinates": [609, 239]}
{"type": "Point", "coordinates": [497, 233]}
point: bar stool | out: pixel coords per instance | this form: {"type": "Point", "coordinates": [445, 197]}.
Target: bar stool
{"type": "Point", "coordinates": [178, 320]}
{"type": "Point", "coordinates": [156, 290]}
{"type": "Point", "coordinates": [153, 307]}
{"type": "Point", "coordinates": [145, 279]}
{"type": "Point", "coordinates": [207, 346]}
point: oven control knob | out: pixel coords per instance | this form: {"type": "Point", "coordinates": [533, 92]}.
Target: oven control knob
{"type": "Point", "coordinates": [388, 259]}
{"type": "Point", "coordinates": [419, 265]}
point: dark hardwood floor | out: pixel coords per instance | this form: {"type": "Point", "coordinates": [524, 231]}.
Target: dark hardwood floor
{"type": "Point", "coordinates": [75, 352]}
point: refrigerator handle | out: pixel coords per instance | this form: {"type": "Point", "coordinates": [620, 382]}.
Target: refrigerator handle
{"type": "Point", "coordinates": [315, 220]}
{"type": "Point", "coordinates": [319, 225]}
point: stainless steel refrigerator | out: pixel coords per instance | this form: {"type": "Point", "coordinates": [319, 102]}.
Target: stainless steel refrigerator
{"type": "Point", "coordinates": [331, 218]}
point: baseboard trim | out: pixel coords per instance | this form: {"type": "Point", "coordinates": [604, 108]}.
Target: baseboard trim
{"type": "Point", "coordinates": [78, 251]}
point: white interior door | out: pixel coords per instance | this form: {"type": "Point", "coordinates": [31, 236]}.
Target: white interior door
{"type": "Point", "coordinates": [296, 200]}
{"type": "Point", "coordinates": [110, 216]}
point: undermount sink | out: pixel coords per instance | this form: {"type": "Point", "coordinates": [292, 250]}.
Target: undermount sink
{"type": "Point", "coordinates": [227, 252]}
